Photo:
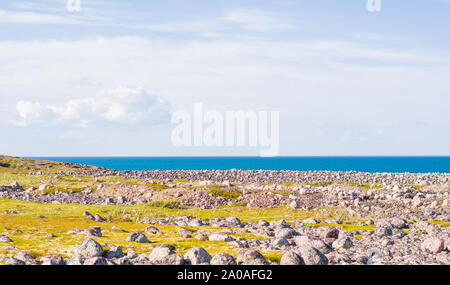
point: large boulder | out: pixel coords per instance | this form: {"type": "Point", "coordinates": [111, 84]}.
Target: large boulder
{"type": "Point", "coordinates": [164, 255]}
{"type": "Point", "coordinates": [433, 244]}
{"type": "Point", "coordinates": [344, 242]}
{"type": "Point", "coordinates": [223, 259]}
{"type": "Point", "coordinates": [250, 257]}
{"type": "Point", "coordinates": [138, 237]}
{"type": "Point", "coordinates": [311, 255]}
{"type": "Point", "coordinates": [285, 233]}
{"type": "Point", "coordinates": [52, 260]}
{"type": "Point", "coordinates": [4, 238]}
{"type": "Point", "coordinates": [96, 261]}
{"type": "Point", "coordinates": [291, 258]}
{"type": "Point", "coordinates": [27, 258]}
{"type": "Point", "coordinates": [88, 248]}
{"type": "Point", "coordinates": [196, 256]}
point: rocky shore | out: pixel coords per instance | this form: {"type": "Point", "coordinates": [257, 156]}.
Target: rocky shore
{"type": "Point", "coordinates": [276, 177]}
{"type": "Point", "coordinates": [346, 217]}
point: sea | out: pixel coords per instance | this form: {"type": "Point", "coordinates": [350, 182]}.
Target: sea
{"type": "Point", "coordinates": [412, 164]}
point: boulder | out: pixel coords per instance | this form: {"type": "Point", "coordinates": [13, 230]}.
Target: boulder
{"type": "Point", "coordinates": [291, 258]}
{"type": "Point", "coordinates": [223, 259]}
{"type": "Point", "coordinates": [88, 248]}
{"type": "Point", "coordinates": [197, 255]}
{"type": "Point", "coordinates": [138, 237]}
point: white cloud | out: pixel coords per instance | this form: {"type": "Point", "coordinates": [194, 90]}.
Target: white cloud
{"type": "Point", "coordinates": [19, 17]}
{"type": "Point", "coordinates": [121, 106]}
{"type": "Point", "coordinates": [256, 20]}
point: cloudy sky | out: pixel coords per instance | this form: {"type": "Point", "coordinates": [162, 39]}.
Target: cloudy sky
{"type": "Point", "coordinates": [104, 81]}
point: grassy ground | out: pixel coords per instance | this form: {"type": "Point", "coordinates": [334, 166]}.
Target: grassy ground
{"type": "Point", "coordinates": [28, 223]}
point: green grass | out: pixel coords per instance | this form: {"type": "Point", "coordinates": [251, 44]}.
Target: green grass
{"type": "Point", "coordinates": [165, 204]}
{"type": "Point", "coordinates": [225, 193]}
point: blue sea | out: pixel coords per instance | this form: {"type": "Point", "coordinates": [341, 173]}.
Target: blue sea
{"type": "Point", "coordinates": [366, 164]}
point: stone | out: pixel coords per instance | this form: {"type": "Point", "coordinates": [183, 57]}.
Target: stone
{"type": "Point", "coordinates": [95, 261]}
{"type": "Point", "coordinates": [165, 256]}
{"type": "Point", "coordinates": [250, 257]}
{"type": "Point", "coordinates": [152, 230]}
{"type": "Point", "coordinates": [52, 260]}
{"type": "Point", "coordinates": [345, 243]}
{"type": "Point", "coordinates": [220, 237]}
{"type": "Point", "coordinates": [223, 259]}
{"type": "Point", "coordinates": [4, 238]}
{"type": "Point", "coordinates": [311, 255]}
{"type": "Point", "coordinates": [197, 255]}
{"type": "Point", "coordinates": [27, 258]}
{"type": "Point", "coordinates": [95, 231]}
{"type": "Point", "coordinates": [398, 223]}
{"type": "Point", "coordinates": [117, 229]}
{"type": "Point", "coordinates": [11, 261]}
{"type": "Point", "coordinates": [88, 248]}
{"type": "Point", "coordinates": [279, 242]}
{"type": "Point", "coordinates": [294, 205]}
{"type": "Point", "coordinates": [98, 218]}
{"type": "Point", "coordinates": [233, 221]}
{"type": "Point", "coordinates": [433, 244]}
{"type": "Point", "coordinates": [114, 252]}
{"type": "Point", "coordinates": [291, 258]}
{"type": "Point", "coordinates": [331, 233]}
{"type": "Point", "coordinates": [285, 233]}
{"type": "Point", "coordinates": [138, 237]}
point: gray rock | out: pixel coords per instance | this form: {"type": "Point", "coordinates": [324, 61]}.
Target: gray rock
{"type": "Point", "coordinates": [433, 244]}
{"type": "Point", "coordinates": [345, 243]}
{"type": "Point", "coordinates": [220, 237]}
{"type": "Point", "coordinates": [165, 256]}
{"type": "Point", "coordinates": [4, 238]}
{"type": "Point", "coordinates": [285, 233]}
{"type": "Point", "coordinates": [114, 252]}
{"type": "Point", "coordinates": [152, 230]}
{"type": "Point", "coordinates": [311, 255]}
{"type": "Point", "coordinates": [27, 258]}
{"type": "Point", "coordinates": [330, 233]}
{"type": "Point", "coordinates": [52, 260]}
{"type": "Point", "coordinates": [223, 259]}
{"type": "Point", "coordinates": [291, 258]}
{"type": "Point", "coordinates": [88, 248]}
{"type": "Point", "coordinates": [197, 255]}
{"type": "Point", "coordinates": [95, 261]}
{"type": "Point", "coordinates": [11, 261]}
{"type": "Point", "coordinates": [249, 257]}
{"type": "Point", "coordinates": [138, 237]}
{"type": "Point", "coordinates": [279, 242]}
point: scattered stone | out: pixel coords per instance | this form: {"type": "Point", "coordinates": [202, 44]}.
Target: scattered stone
{"type": "Point", "coordinates": [291, 258]}
{"type": "Point", "coordinates": [196, 256]}
{"type": "Point", "coordinates": [88, 248]}
{"type": "Point", "coordinates": [138, 237]}
{"type": "Point", "coordinates": [223, 259]}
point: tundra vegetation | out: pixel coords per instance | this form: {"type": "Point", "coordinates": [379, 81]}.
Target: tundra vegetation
{"type": "Point", "coordinates": [63, 213]}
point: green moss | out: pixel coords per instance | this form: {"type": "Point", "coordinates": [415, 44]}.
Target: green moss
{"type": "Point", "coordinates": [320, 183]}
{"type": "Point", "coordinates": [440, 223]}
{"type": "Point", "coordinates": [165, 204]}
{"type": "Point", "coordinates": [225, 193]}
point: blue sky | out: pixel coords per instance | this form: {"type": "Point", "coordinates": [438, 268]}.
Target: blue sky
{"type": "Point", "coordinates": [104, 80]}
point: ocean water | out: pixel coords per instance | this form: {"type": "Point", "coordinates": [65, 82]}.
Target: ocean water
{"type": "Point", "coordinates": [366, 164]}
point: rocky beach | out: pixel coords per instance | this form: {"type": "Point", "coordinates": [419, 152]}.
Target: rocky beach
{"type": "Point", "coordinates": [55, 213]}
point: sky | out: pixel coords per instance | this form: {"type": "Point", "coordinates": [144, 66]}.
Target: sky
{"type": "Point", "coordinates": [105, 79]}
